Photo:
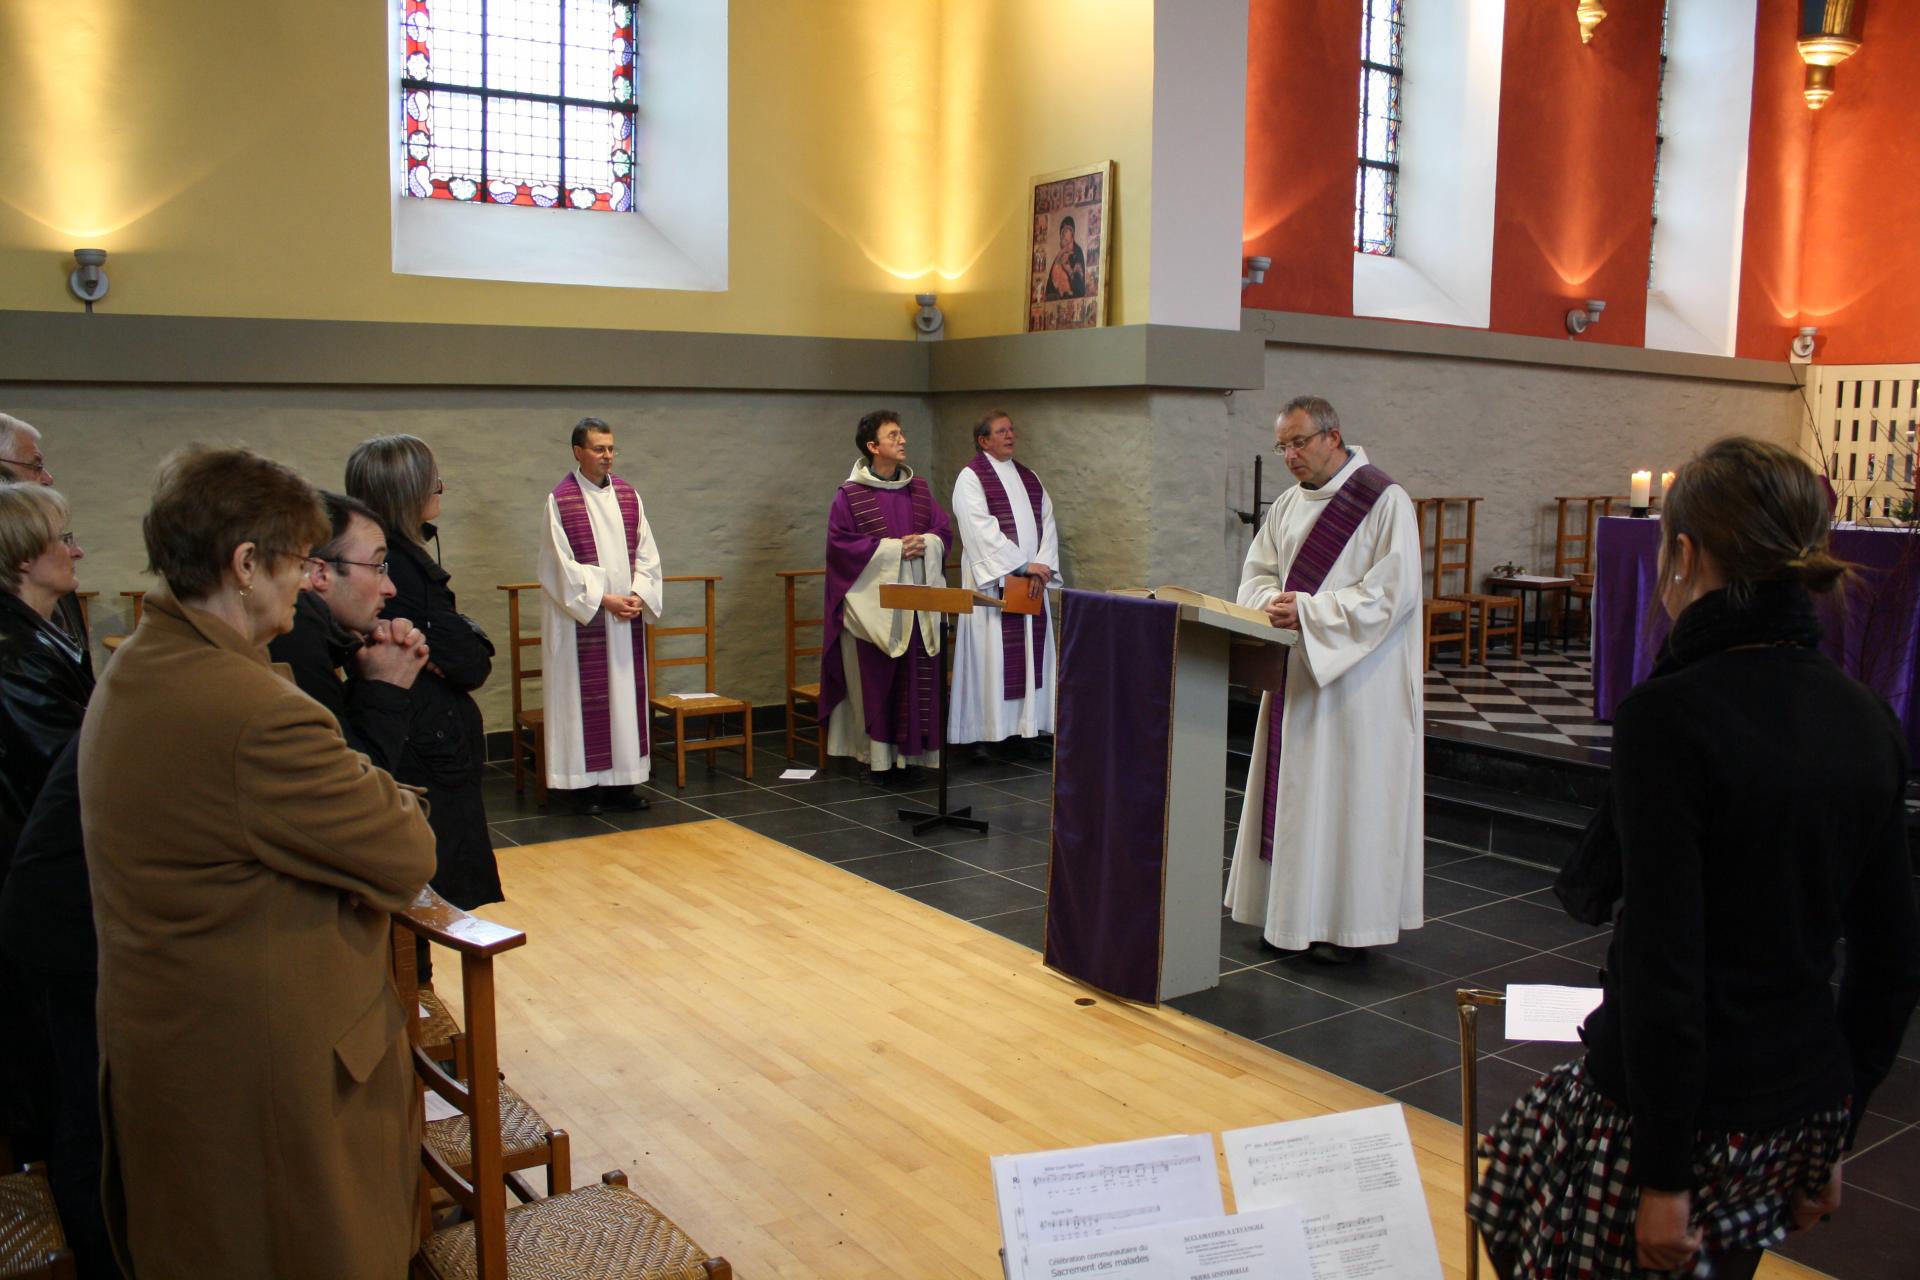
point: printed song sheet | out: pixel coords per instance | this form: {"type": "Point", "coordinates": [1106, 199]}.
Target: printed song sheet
{"type": "Point", "coordinates": [1266, 1243]}
{"type": "Point", "coordinates": [1055, 1197]}
{"type": "Point", "coordinates": [1543, 1011]}
{"type": "Point", "coordinates": [1353, 1177]}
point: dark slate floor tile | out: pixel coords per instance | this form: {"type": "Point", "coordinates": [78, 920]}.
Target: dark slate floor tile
{"type": "Point", "coordinates": [1379, 977]}
{"type": "Point", "coordinates": [1496, 874]}
{"type": "Point", "coordinates": [1444, 946]}
{"type": "Point", "coordinates": [843, 843]}
{"type": "Point", "coordinates": [1028, 926]}
{"type": "Point", "coordinates": [1254, 1003]}
{"type": "Point", "coordinates": [1445, 897]}
{"type": "Point", "coordinates": [1910, 1043]}
{"type": "Point", "coordinates": [1368, 1049]}
{"type": "Point", "coordinates": [559, 826]}
{"type": "Point", "coordinates": [964, 770]}
{"type": "Point", "coordinates": [499, 840]}
{"type": "Point", "coordinates": [1438, 853]}
{"type": "Point", "coordinates": [908, 868]}
{"type": "Point", "coordinates": [1874, 1130]}
{"type": "Point", "coordinates": [504, 803]}
{"type": "Point", "coordinates": [1017, 817]}
{"type": "Point", "coordinates": [977, 896]}
{"type": "Point", "coordinates": [822, 788]}
{"type": "Point", "coordinates": [1539, 1055]}
{"type": "Point", "coordinates": [1542, 928]}
{"type": "Point", "coordinates": [1497, 1085]}
{"type": "Point", "coordinates": [793, 822]}
{"type": "Point", "coordinates": [1433, 1008]}
{"type": "Point", "coordinates": [998, 852]}
{"type": "Point", "coordinates": [701, 781]}
{"type": "Point", "coordinates": [1034, 876]}
{"type": "Point", "coordinates": [1589, 951]}
{"type": "Point", "coordinates": [662, 813]}
{"type": "Point", "coordinates": [1243, 944]}
{"type": "Point", "coordinates": [1899, 1094]}
{"type": "Point", "coordinates": [1037, 787]}
{"type": "Point", "coordinates": [1871, 1238]}
{"type": "Point", "coordinates": [737, 804]}
{"type": "Point", "coordinates": [942, 837]}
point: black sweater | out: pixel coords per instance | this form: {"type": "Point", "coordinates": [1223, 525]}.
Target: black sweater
{"type": "Point", "coordinates": [372, 714]}
{"type": "Point", "coordinates": [1757, 793]}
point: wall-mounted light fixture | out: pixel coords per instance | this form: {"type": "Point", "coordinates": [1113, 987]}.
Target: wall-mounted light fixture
{"type": "Point", "coordinates": [1591, 14]}
{"type": "Point", "coordinates": [88, 281]}
{"type": "Point", "coordinates": [1256, 270]}
{"type": "Point", "coordinates": [1803, 342]}
{"type": "Point", "coordinates": [1826, 41]}
{"type": "Point", "coordinates": [1580, 317]}
{"type": "Point", "coordinates": [928, 324]}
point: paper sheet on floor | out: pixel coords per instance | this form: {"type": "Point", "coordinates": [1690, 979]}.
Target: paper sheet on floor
{"type": "Point", "coordinates": [797, 775]}
{"type": "Point", "coordinates": [1544, 1011]}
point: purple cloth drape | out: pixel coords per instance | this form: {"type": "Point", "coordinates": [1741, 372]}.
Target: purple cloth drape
{"type": "Point", "coordinates": [1873, 632]}
{"type": "Point", "coordinates": [1113, 746]}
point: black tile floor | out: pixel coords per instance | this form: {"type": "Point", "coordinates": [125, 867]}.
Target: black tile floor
{"type": "Point", "coordinates": [1543, 697]}
{"type": "Point", "coordinates": [1388, 1023]}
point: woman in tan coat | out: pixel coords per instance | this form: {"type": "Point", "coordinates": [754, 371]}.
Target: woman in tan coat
{"type": "Point", "coordinates": [243, 864]}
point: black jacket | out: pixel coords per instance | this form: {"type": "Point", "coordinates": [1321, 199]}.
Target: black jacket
{"type": "Point", "coordinates": [372, 714]}
{"type": "Point", "coordinates": [46, 901]}
{"type": "Point", "coordinates": [1758, 795]}
{"type": "Point", "coordinates": [44, 686]}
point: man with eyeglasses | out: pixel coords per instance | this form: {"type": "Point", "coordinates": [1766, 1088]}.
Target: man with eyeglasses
{"type": "Point", "coordinates": [600, 581]}
{"type": "Point", "coordinates": [337, 628]}
{"type": "Point", "coordinates": [1331, 842]}
{"type": "Point", "coordinates": [22, 462]}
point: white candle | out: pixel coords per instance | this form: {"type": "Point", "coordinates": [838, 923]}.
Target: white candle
{"type": "Point", "coordinates": [1666, 484]}
{"type": "Point", "coordinates": [1642, 482]}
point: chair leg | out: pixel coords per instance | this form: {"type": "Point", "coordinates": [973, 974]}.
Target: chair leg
{"type": "Point", "coordinates": [680, 749]}
{"type": "Point", "coordinates": [790, 715]}
{"type": "Point", "coordinates": [519, 773]}
{"type": "Point", "coordinates": [559, 1163]}
{"type": "Point", "coordinates": [746, 731]}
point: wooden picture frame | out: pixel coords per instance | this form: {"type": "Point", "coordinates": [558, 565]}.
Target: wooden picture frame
{"type": "Point", "coordinates": [1069, 248]}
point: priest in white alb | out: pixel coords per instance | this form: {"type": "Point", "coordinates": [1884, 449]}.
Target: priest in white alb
{"type": "Point", "coordinates": [1330, 851]}
{"type": "Point", "coordinates": [600, 581]}
{"type": "Point", "coordinates": [1003, 663]}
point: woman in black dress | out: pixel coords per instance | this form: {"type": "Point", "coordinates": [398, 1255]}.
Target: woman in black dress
{"type": "Point", "coordinates": [446, 741]}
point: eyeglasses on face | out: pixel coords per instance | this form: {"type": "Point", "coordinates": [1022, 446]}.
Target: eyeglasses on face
{"type": "Point", "coordinates": [1295, 445]}
{"type": "Point", "coordinates": [380, 567]}
{"type": "Point", "coordinates": [34, 466]}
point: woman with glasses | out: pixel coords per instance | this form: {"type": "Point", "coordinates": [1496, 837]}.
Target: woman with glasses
{"type": "Point", "coordinates": [244, 863]}
{"type": "Point", "coordinates": [397, 478]}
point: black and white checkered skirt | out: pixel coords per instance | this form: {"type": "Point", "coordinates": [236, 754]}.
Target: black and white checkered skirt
{"type": "Point", "coordinates": [1559, 1194]}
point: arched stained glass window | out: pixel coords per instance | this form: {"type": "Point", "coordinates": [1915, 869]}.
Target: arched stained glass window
{"type": "Point", "coordinates": [527, 102]}
{"type": "Point", "coordinates": [1374, 213]}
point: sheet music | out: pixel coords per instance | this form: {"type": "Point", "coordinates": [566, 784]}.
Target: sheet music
{"type": "Point", "coordinates": [1353, 1177]}
{"type": "Point", "coordinates": [1267, 1243]}
{"type": "Point", "coordinates": [1053, 1197]}
{"type": "Point", "coordinates": [1543, 1011]}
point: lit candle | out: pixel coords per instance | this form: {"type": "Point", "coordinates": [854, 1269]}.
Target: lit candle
{"type": "Point", "coordinates": [1642, 482]}
{"type": "Point", "coordinates": [1666, 484]}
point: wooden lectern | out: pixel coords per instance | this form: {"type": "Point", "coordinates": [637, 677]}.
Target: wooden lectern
{"type": "Point", "coordinates": [949, 602]}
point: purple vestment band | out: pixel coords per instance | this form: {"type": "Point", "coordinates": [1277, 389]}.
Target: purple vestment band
{"type": "Point", "coordinates": [1013, 626]}
{"type": "Point", "coordinates": [590, 638]}
{"type": "Point", "coordinates": [1323, 546]}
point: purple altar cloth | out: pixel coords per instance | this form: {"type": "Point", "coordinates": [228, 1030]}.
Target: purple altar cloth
{"type": "Point", "coordinates": [1113, 746]}
{"type": "Point", "coordinates": [1875, 637]}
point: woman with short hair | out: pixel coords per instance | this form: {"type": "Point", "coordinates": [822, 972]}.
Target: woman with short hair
{"type": "Point", "coordinates": [244, 862]}
{"type": "Point", "coordinates": [44, 678]}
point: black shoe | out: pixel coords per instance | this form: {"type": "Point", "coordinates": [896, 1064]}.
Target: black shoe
{"type": "Point", "coordinates": [624, 800]}
{"type": "Point", "coordinates": [584, 801]}
{"type": "Point", "coordinates": [1334, 953]}
{"type": "Point", "coordinates": [979, 754]}
{"type": "Point", "coordinates": [1037, 750]}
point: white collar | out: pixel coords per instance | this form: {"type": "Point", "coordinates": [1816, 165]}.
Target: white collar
{"type": "Point", "coordinates": [588, 486]}
{"type": "Point", "coordinates": [862, 474]}
{"type": "Point", "coordinates": [1340, 477]}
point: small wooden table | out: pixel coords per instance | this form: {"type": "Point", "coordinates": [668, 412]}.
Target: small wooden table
{"type": "Point", "coordinates": [1534, 587]}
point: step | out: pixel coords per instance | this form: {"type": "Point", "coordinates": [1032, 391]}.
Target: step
{"type": "Point", "coordinates": [1530, 829]}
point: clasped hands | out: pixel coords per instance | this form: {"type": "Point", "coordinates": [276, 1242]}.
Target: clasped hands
{"type": "Point", "coordinates": [1665, 1238]}
{"type": "Point", "coordinates": [393, 652]}
{"type": "Point", "coordinates": [626, 608]}
{"type": "Point", "coordinates": [1283, 612]}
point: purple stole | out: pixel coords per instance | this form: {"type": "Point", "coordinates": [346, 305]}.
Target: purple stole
{"type": "Point", "coordinates": [1324, 543]}
{"type": "Point", "coordinates": [1013, 666]}
{"type": "Point", "coordinates": [590, 638]}
{"type": "Point", "coordinates": [872, 521]}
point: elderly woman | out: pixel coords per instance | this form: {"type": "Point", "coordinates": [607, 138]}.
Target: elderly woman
{"type": "Point", "coordinates": [244, 863]}
{"type": "Point", "coordinates": [446, 742]}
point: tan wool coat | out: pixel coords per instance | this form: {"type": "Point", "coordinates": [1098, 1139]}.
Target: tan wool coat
{"type": "Point", "coordinates": [243, 864]}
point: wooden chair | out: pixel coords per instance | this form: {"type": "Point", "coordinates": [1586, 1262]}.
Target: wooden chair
{"type": "Point", "coordinates": [604, 1232]}
{"type": "Point", "coordinates": [86, 599]}
{"type": "Point", "coordinates": [1490, 616]}
{"type": "Point", "coordinates": [1580, 594]}
{"type": "Point", "coordinates": [1573, 525]}
{"type": "Point", "coordinates": [527, 736]}
{"type": "Point", "coordinates": [32, 1245]}
{"type": "Point", "coordinates": [1433, 611]}
{"type": "Point", "coordinates": [138, 601]}
{"type": "Point", "coordinates": [797, 691]}
{"type": "Point", "coordinates": [679, 708]}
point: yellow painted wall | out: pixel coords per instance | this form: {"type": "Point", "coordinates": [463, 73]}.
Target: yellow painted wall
{"type": "Point", "coordinates": [232, 158]}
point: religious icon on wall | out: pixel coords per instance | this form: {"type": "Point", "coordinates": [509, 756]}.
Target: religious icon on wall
{"type": "Point", "coordinates": [1069, 250]}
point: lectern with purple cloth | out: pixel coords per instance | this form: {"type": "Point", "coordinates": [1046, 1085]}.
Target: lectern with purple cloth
{"type": "Point", "coordinates": [1139, 768]}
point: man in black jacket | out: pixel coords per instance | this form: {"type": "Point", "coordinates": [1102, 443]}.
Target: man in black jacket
{"type": "Point", "coordinates": [344, 655]}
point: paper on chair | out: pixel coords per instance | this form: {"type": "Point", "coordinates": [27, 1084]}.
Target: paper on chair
{"type": "Point", "coordinates": [1535, 579]}
{"type": "Point", "coordinates": [797, 775]}
{"type": "Point", "coordinates": [1263, 1242]}
{"type": "Point", "coordinates": [687, 697]}
{"type": "Point", "coordinates": [1543, 1011]}
{"type": "Point", "coordinates": [438, 1108]}
{"type": "Point", "coordinates": [1353, 1177]}
{"type": "Point", "coordinates": [1053, 1197]}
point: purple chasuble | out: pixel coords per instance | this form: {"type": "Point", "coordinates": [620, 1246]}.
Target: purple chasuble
{"type": "Point", "coordinates": [1324, 543]}
{"type": "Point", "coordinates": [1013, 626]}
{"type": "Point", "coordinates": [590, 638]}
{"type": "Point", "coordinates": [899, 696]}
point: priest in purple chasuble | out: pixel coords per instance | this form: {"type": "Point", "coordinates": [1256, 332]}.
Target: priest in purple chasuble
{"type": "Point", "coordinates": [600, 579]}
{"type": "Point", "coordinates": [1003, 664]}
{"type": "Point", "coordinates": [879, 691]}
{"type": "Point", "coordinates": [1330, 851]}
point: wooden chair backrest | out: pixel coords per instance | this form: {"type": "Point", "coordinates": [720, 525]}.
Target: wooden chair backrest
{"type": "Point", "coordinates": [1449, 553]}
{"type": "Point", "coordinates": [86, 599]}
{"type": "Point", "coordinates": [704, 658]}
{"type": "Point", "coordinates": [1574, 521]}
{"type": "Point", "coordinates": [795, 650]}
{"type": "Point", "coordinates": [139, 599]}
{"type": "Point", "coordinates": [482, 1195]}
{"type": "Point", "coordinates": [518, 640]}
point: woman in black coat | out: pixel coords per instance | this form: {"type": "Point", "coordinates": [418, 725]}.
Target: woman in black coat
{"type": "Point", "coordinates": [446, 741]}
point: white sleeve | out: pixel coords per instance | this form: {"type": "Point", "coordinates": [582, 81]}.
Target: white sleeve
{"type": "Point", "coordinates": [648, 583]}
{"type": "Point", "coordinates": [577, 588]}
{"type": "Point", "coordinates": [990, 553]}
{"type": "Point", "coordinates": [1260, 575]}
{"type": "Point", "coordinates": [1338, 628]}
{"type": "Point", "coordinates": [1049, 535]}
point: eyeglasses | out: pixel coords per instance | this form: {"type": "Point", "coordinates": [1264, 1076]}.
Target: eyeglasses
{"type": "Point", "coordinates": [307, 562]}
{"type": "Point", "coordinates": [378, 566]}
{"type": "Point", "coordinates": [35, 466]}
{"type": "Point", "coordinates": [1286, 447]}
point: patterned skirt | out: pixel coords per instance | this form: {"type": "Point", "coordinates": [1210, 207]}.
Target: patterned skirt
{"type": "Point", "coordinates": [1559, 1195]}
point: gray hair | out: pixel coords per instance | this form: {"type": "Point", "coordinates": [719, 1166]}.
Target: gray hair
{"type": "Point", "coordinates": [1318, 412]}
{"type": "Point", "coordinates": [31, 517]}
{"type": "Point", "coordinates": [984, 428]}
{"type": "Point", "coordinates": [394, 475]}
{"type": "Point", "coordinates": [10, 427]}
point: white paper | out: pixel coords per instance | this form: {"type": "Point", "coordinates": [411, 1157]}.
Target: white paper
{"type": "Point", "coordinates": [1353, 1177]}
{"type": "Point", "coordinates": [438, 1108]}
{"type": "Point", "coordinates": [1266, 1243]}
{"type": "Point", "coordinates": [688, 697]}
{"type": "Point", "coordinates": [425, 1012]}
{"type": "Point", "coordinates": [797, 775]}
{"type": "Point", "coordinates": [1053, 1197]}
{"type": "Point", "coordinates": [1543, 1011]}
{"type": "Point", "coordinates": [1534, 577]}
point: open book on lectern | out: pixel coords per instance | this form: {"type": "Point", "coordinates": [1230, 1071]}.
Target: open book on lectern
{"type": "Point", "coordinates": [1199, 600]}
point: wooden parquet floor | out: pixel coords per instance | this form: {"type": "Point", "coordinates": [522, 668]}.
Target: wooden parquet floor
{"type": "Point", "coordinates": [809, 1072]}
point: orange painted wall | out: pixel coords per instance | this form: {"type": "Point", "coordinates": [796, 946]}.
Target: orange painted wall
{"type": "Point", "coordinates": [1573, 204]}
{"type": "Point", "coordinates": [1779, 143]}
{"type": "Point", "coordinates": [1303, 96]}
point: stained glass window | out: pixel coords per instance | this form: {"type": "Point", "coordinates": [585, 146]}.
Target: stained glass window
{"type": "Point", "coordinates": [1374, 213]}
{"type": "Point", "coordinates": [527, 102]}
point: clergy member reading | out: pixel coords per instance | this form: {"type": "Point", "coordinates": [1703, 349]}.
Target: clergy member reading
{"type": "Point", "coordinates": [1329, 856]}
{"type": "Point", "coordinates": [1003, 663]}
{"type": "Point", "coordinates": [877, 672]}
{"type": "Point", "coordinates": [600, 580]}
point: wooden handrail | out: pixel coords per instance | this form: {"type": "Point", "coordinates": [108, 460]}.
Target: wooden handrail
{"type": "Point", "coordinates": [434, 918]}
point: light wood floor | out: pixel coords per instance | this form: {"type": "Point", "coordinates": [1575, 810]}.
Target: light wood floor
{"type": "Point", "coordinates": [809, 1072]}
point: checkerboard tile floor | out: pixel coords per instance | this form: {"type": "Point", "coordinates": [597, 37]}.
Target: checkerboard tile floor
{"type": "Point", "coordinates": [1544, 697]}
